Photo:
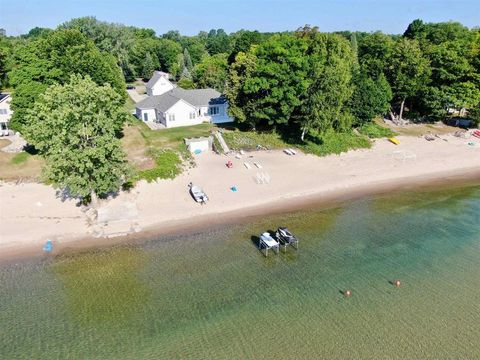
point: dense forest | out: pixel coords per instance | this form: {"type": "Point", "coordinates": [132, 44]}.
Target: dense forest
{"type": "Point", "coordinates": [303, 83]}
{"type": "Point", "coordinates": [304, 78]}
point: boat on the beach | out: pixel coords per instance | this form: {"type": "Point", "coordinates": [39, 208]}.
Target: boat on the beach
{"type": "Point", "coordinates": [285, 237]}
{"type": "Point", "coordinates": [268, 242]}
{"type": "Point", "coordinates": [198, 194]}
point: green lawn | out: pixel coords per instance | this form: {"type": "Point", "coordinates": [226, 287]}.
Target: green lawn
{"type": "Point", "coordinates": [328, 143]}
{"type": "Point", "coordinates": [249, 140]}
{"type": "Point", "coordinates": [374, 130]}
{"type": "Point", "coordinates": [159, 152]}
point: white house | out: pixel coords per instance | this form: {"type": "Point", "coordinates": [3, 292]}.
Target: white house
{"type": "Point", "coordinates": [158, 84]}
{"type": "Point", "coordinates": [5, 113]}
{"type": "Point", "coordinates": [173, 106]}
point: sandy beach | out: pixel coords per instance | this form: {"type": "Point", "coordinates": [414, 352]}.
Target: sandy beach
{"type": "Point", "coordinates": [31, 213]}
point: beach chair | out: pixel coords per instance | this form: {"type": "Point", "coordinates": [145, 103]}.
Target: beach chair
{"type": "Point", "coordinates": [247, 165]}
{"type": "Point", "coordinates": [287, 151]}
{"type": "Point", "coordinates": [257, 165]}
{"type": "Point", "coordinates": [293, 151]}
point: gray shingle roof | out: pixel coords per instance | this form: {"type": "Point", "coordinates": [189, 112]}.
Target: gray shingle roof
{"type": "Point", "coordinates": [196, 97]}
{"type": "Point", "coordinates": [155, 77]}
{"type": "Point", "coordinates": [160, 102]}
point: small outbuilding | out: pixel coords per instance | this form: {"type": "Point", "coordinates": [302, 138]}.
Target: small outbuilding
{"type": "Point", "coordinates": [199, 145]}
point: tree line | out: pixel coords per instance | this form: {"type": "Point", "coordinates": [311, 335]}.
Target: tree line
{"type": "Point", "coordinates": [304, 83]}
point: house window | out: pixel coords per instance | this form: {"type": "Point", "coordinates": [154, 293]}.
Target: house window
{"type": "Point", "coordinates": [213, 110]}
{"type": "Point", "coordinates": [145, 116]}
{"type": "Point", "coordinates": [192, 115]}
{"type": "Point", "coordinates": [171, 117]}
{"type": "Point", "coordinates": [3, 111]}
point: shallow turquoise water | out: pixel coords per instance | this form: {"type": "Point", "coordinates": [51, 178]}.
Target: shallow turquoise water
{"type": "Point", "coordinates": [212, 295]}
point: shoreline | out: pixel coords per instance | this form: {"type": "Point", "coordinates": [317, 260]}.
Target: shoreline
{"type": "Point", "coordinates": [321, 199]}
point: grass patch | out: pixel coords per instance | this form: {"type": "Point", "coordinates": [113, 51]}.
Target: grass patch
{"type": "Point", "coordinates": [20, 158]}
{"type": "Point", "coordinates": [373, 131]}
{"type": "Point", "coordinates": [159, 153]}
{"type": "Point", "coordinates": [249, 140]}
{"type": "Point", "coordinates": [323, 144]}
{"type": "Point", "coordinates": [172, 138]}
{"type": "Point", "coordinates": [332, 142]}
{"type": "Point", "coordinates": [20, 166]}
{"type": "Point", "coordinates": [167, 165]}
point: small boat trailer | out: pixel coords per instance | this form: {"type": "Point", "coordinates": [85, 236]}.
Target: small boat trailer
{"type": "Point", "coordinates": [268, 242]}
{"type": "Point", "coordinates": [285, 237]}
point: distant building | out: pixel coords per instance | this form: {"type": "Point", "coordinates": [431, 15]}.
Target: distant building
{"type": "Point", "coordinates": [3, 32]}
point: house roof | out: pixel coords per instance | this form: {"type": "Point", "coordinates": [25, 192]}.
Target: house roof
{"type": "Point", "coordinates": [195, 97]}
{"type": "Point", "coordinates": [160, 102]}
{"type": "Point", "coordinates": [155, 77]}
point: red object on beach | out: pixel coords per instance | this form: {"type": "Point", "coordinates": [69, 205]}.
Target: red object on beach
{"type": "Point", "coordinates": [476, 133]}
{"type": "Point", "coordinates": [229, 164]}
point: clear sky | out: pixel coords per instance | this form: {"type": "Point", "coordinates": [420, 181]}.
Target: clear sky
{"type": "Point", "coordinates": [191, 16]}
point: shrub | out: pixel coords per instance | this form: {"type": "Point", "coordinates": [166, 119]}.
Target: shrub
{"type": "Point", "coordinates": [373, 131]}
{"type": "Point", "coordinates": [332, 142]}
{"type": "Point", "coordinates": [167, 166]}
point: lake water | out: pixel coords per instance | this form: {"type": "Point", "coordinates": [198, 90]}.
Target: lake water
{"type": "Point", "coordinates": [213, 295]}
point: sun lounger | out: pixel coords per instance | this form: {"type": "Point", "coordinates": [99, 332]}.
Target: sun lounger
{"type": "Point", "coordinates": [247, 165]}
{"type": "Point", "coordinates": [257, 165]}
{"type": "Point", "coordinates": [287, 151]}
{"type": "Point", "coordinates": [293, 151]}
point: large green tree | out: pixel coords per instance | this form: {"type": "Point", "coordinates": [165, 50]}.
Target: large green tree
{"type": "Point", "coordinates": [217, 42]}
{"type": "Point", "coordinates": [242, 41]}
{"type": "Point", "coordinates": [52, 59]}
{"type": "Point", "coordinates": [408, 71]}
{"type": "Point", "coordinates": [332, 61]}
{"type": "Point", "coordinates": [74, 127]}
{"type": "Point", "coordinates": [148, 67]}
{"type": "Point", "coordinates": [267, 84]}
{"type": "Point", "coordinates": [370, 97]}
{"type": "Point", "coordinates": [116, 39]}
{"type": "Point", "coordinates": [168, 53]}
{"type": "Point", "coordinates": [374, 52]}
{"type": "Point", "coordinates": [211, 72]}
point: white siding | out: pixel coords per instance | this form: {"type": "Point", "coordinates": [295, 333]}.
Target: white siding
{"type": "Point", "coordinates": [182, 111]}
{"type": "Point", "coordinates": [151, 113]}
{"type": "Point", "coordinates": [6, 112]}
{"type": "Point", "coordinates": [160, 87]}
{"type": "Point", "coordinates": [203, 146]}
